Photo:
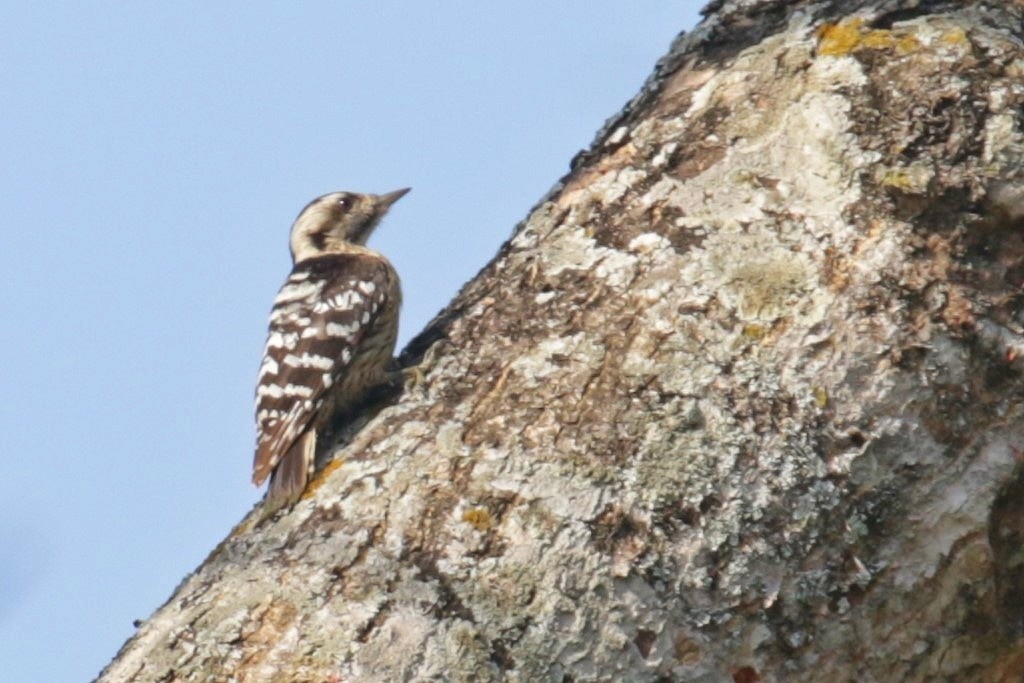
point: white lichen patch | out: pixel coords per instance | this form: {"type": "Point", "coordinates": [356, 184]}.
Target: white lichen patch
{"type": "Point", "coordinates": [396, 646]}
{"type": "Point", "coordinates": [725, 87]}
{"type": "Point", "coordinates": [449, 440]}
{"type": "Point", "coordinates": [1002, 138]}
{"type": "Point", "coordinates": [801, 137]}
{"type": "Point", "coordinates": [664, 154]}
{"type": "Point", "coordinates": [540, 222]}
{"type": "Point", "coordinates": [549, 357]}
{"type": "Point", "coordinates": [616, 269]}
{"type": "Point", "coordinates": [769, 285]}
{"type": "Point", "coordinates": [573, 249]}
{"type": "Point", "coordinates": [650, 243]}
{"type": "Point", "coordinates": [565, 498]}
{"type": "Point", "coordinates": [952, 514]}
{"type": "Point", "coordinates": [760, 266]}
{"type": "Point", "coordinates": [610, 187]}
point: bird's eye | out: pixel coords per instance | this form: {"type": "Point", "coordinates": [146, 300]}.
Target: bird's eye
{"type": "Point", "coordinates": [345, 202]}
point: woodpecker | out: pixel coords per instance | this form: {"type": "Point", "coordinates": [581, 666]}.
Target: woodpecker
{"type": "Point", "coordinates": [331, 338]}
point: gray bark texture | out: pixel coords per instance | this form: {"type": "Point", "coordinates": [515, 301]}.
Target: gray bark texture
{"type": "Point", "coordinates": [741, 399]}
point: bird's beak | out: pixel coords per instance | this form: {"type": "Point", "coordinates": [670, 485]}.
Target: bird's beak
{"type": "Point", "coordinates": [386, 200]}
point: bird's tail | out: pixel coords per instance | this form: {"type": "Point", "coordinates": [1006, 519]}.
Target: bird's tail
{"type": "Point", "coordinates": [292, 473]}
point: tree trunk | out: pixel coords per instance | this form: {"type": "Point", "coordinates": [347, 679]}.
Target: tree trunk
{"type": "Point", "coordinates": [741, 400]}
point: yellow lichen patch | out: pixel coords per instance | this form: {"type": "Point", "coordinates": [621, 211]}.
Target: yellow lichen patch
{"type": "Point", "coordinates": [906, 44]}
{"type": "Point", "coordinates": [754, 332]}
{"type": "Point", "coordinates": [821, 397]}
{"type": "Point", "coordinates": [912, 179]}
{"type": "Point", "coordinates": [954, 36]}
{"type": "Point", "coordinates": [479, 518]}
{"type": "Point", "coordinates": [321, 477]}
{"type": "Point", "coordinates": [837, 40]}
{"type": "Point", "coordinates": [879, 40]}
{"type": "Point", "coordinates": [897, 179]}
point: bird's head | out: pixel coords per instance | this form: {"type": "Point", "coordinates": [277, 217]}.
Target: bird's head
{"type": "Point", "coordinates": [336, 221]}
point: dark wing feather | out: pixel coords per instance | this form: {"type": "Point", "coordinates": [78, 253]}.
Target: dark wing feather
{"type": "Point", "coordinates": [319, 319]}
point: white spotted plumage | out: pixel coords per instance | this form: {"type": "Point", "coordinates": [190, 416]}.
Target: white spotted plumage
{"type": "Point", "coordinates": [331, 337]}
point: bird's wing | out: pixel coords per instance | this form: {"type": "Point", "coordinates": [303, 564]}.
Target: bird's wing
{"type": "Point", "coordinates": [319, 319]}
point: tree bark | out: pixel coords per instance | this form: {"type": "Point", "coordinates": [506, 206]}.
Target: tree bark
{"type": "Point", "coordinates": [741, 400]}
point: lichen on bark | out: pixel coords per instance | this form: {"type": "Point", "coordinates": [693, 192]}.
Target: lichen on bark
{"type": "Point", "coordinates": [740, 400]}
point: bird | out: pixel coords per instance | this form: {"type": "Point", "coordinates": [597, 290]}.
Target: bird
{"type": "Point", "coordinates": [331, 337]}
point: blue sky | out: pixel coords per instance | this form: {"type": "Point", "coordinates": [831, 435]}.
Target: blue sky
{"type": "Point", "coordinates": [154, 156]}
